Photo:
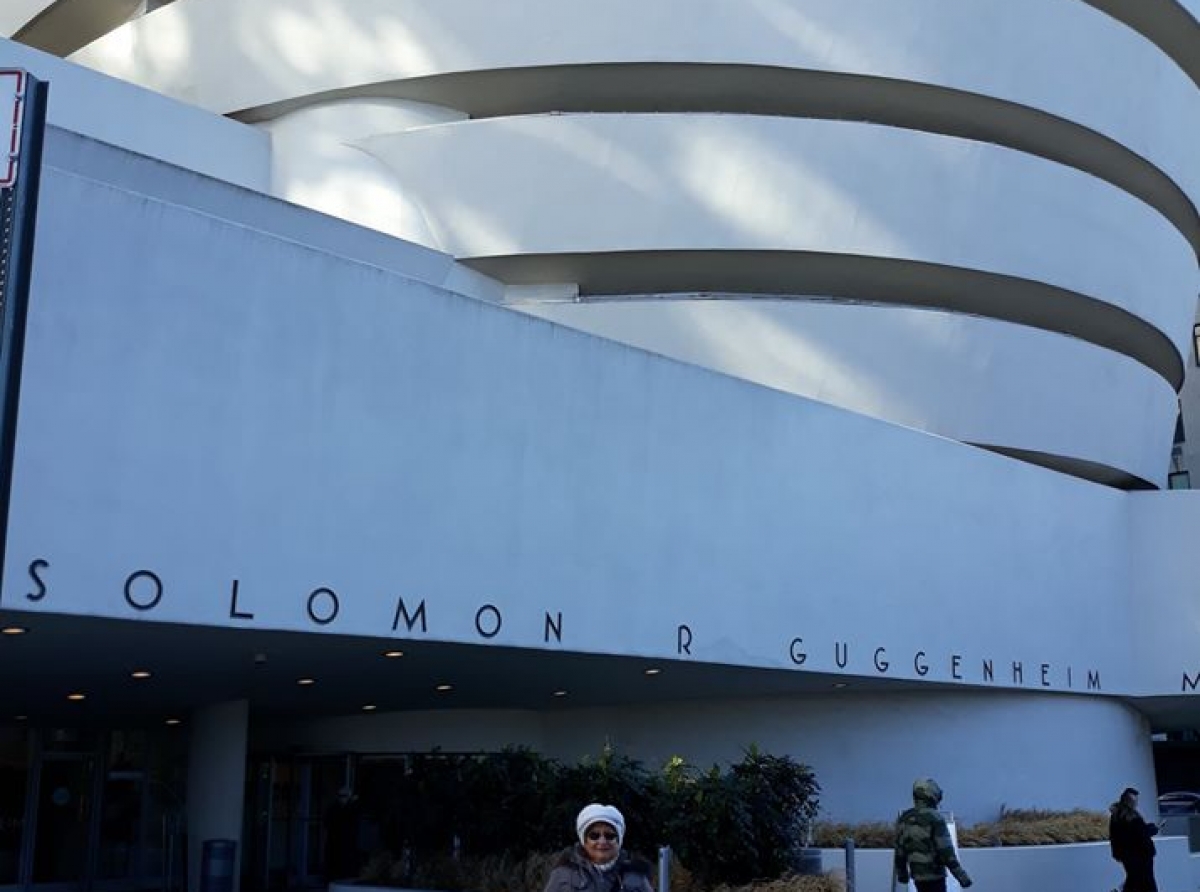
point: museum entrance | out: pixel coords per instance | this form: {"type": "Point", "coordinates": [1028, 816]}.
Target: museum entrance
{"type": "Point", "coordinates": [293, 818]}
{"type": "Point", "coordinates": [90, 810]}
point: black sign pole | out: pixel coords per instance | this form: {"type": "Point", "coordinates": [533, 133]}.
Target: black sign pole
{"type": "Point", "coordinates": [19, 222]}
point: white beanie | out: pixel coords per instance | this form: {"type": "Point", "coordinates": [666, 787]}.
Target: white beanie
{"type": "Point", "coordinates": [596, 814]}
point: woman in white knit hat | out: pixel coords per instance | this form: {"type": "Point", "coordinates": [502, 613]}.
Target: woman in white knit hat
{"type": "Point", "coordinates": [596, 863]}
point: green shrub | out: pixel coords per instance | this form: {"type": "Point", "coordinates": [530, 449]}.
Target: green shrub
{"type": "Point", "coordinates": [442, 817]}
{"type": "Point", "coordinates": [508, 811]}
{"type": "Point", "coordinates": [746, 823]}
{"type": "Point", "coordinates": [612, 778]}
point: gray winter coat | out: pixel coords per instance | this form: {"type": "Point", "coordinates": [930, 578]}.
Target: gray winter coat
{"type": "Point", "coordinates": [573, 872]}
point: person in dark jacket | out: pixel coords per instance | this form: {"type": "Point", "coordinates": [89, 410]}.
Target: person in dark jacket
{"type": "Point", "coordinates": [596, 863]}
{"type": "Point", "coordinates": [924, 850]}
{"type": "Point", "coordinates": [1129, 837]}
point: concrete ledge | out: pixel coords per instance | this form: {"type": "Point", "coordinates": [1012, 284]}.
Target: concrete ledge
{"type": "Point", "coordinates": [1082, 867]}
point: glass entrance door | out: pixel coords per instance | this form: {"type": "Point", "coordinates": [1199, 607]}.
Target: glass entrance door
{"type": "Point", "coordinates": [290, 832]}
{"type": "Point", "coordinates": [65, 799]}
{"type": "Point", "coordinates": [14, 781]}
{"type": "Point", "coordinates": [91, 810]}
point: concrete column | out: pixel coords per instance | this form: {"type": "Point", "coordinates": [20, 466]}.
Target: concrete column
{"type": "Point", "coordinates": [216, 781]}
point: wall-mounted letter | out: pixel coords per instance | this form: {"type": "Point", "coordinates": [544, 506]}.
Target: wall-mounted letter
{"type": "Point", "coordinates": [330, 614]}
{"type": "Point", "coordinates": [880, 663]}
{"type": "Point", "coordinates": [841, 653]}
{"type": "Point", "coordinates": [409, 621]}
{"type": "Point", "coordinates": [34, 568]}
{"type": "Point", "coordinates": [919, 663]}
{"type": "Point", "coordinates": [143, 603]}
{"type": "Point", "coordinates": [683, 640]}
{"type": "Point", "coordinates": [494, 622]}
{"type": "Point", "coordinates": [798, 656]}
{"type": "Point", "coordinates": [234, 613]}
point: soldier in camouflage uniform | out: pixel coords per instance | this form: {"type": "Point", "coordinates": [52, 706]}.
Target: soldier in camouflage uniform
{"type": "Point", "coordinates": [924, 849]}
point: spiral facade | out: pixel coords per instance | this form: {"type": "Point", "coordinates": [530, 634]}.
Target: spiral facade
{"type": "Point", "coordinates": [328, 429]}
{"type": "Point", "coordinates": [964, 218]}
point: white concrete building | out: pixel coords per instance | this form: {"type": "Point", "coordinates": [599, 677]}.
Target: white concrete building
{"type": "Point", "coordinates": [894, 299]}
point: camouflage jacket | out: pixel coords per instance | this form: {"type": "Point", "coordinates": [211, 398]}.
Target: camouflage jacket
{"type": "Point", "coordinates": [924, 850]}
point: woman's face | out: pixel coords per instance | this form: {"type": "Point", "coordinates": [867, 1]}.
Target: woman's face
{"type": "Point", "coordinates": [600, 842]}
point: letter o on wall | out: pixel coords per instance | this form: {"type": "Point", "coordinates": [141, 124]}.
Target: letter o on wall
{"type": "Point", "coordinates": [334, 606]}
{"type": "Point", "coordinates": [143, 603]}
{"type": "Point", "coordinates": [488, 610]}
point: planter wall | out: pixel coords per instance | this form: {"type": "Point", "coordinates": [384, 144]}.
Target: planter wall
{"type": "Point", "coordinates": [1084, 867]}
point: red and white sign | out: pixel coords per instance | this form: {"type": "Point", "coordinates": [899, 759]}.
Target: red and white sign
{"type": "Point", "coordinates": [13, 82]}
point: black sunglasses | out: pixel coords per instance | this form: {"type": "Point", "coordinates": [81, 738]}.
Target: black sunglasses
{"type": "Point", "coordinates": [595, 835]}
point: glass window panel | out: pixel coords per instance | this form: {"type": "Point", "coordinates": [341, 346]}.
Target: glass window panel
{"type": "Point", "coordinates": [14, 780]}
{"type": "Point", "coordinates": [63, 812]}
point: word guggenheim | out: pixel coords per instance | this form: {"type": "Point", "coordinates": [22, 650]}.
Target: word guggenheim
{"type": "Point", "coordinates": [144, 590]}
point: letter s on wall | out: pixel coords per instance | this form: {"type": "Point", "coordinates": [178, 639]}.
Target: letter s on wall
{"type": "Point", "coordinates": [34, 567]}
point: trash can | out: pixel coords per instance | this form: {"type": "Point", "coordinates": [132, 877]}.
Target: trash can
{"type": "Point", "coordinates": [217, 857]}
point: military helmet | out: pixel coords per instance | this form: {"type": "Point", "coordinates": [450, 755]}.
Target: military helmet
{"type": "Point", "coordinates": [926, 790]}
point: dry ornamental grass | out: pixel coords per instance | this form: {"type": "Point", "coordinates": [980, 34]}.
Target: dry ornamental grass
{"type": "Point", "coordinates": [872, 835]}
{"type": "Point", "coordinates": [830, 882]}
{"type": "Point", "coordinates": [1031, 827]}
{"type": "Point", "coordinates": [1016, 827]}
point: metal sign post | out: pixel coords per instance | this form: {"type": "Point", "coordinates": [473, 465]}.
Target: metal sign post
{"type": "Point", "coordinates": [22, 127]}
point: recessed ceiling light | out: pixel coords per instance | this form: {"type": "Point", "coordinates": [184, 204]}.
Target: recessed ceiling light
{"type": "Point", "coordinates": [392, 654]}
{"type": "Point", "coordinates": [76, 696]}
{"type": "Point", "coordinates": [305, 681]}
{"type": "Point", "coordinates": [369, 707]}
{"type": "Point", "coordinates": [560, 693]}
{"type": "Point", "coordinates": [445, 687]}
{"type": "Point", "coordinates": [840, 684]}
{"type": "Point", "coordinates": [13, 630]}
{"type": "Point", "coordinates": [173, 722]}
{"type": "Point", "coordinates": [653, 671]}
{"type": "Point", "coordinates": [139, 673]}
